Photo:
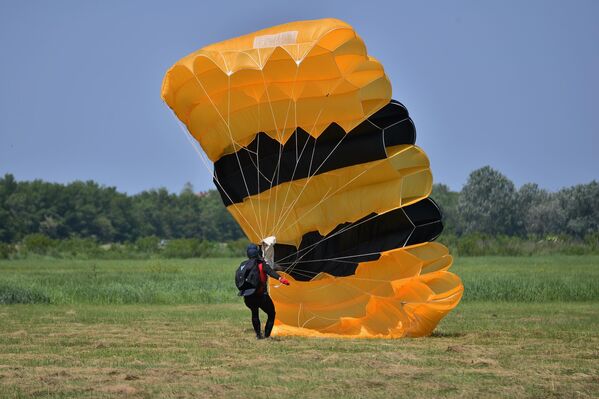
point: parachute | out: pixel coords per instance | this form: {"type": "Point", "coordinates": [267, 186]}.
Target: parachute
{"type": "Point", "coordinates": [309, 150]}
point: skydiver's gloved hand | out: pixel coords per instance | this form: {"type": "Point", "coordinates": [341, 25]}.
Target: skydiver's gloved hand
{"type": "Point", "coordinates": [283, 280]}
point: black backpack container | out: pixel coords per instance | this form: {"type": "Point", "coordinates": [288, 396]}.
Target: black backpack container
{"type": "Point", "coordinates": [247, 277]}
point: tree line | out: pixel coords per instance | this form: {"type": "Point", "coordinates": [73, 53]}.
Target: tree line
{"type": "Point", "coordinates": [489, 205]}
{"type": "Point", "coordinates": [89, 210]}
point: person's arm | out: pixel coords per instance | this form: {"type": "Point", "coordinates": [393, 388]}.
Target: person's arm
{"type": "Point", "coordinates": [274, 274]}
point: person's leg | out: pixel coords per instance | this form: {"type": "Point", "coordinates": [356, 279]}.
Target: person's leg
{"type": "Point", "coordinates": [269, 308]}
{"type": "Point", "coordinates": [252, 304]}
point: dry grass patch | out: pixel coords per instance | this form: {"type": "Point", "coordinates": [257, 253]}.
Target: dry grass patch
{"type": "Point", "coordinates": [482, 349]}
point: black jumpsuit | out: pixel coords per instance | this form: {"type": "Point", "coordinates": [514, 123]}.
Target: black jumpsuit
{"type": "Point", "coordinates": [261, 300]}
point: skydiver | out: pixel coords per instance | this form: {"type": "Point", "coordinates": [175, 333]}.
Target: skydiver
{"type": "Point", "coordinates": [255, 294]}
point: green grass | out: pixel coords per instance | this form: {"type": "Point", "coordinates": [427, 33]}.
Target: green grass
{"type": "Point", "coordinates": [527, 327]}
{"type": "Point", "coordinates": [193, 281]}
{"type": "Point", "coordinates": [154, 281]}
{"type": "Point", "coordinates": [529, 279]}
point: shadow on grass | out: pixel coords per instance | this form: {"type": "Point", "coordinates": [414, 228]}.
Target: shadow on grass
{"type": "Point", "coordinates": [442, 334]}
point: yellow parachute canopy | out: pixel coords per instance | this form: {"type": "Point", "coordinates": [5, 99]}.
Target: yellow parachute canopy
{"type": "Point", "coordinates": [302, 74]}
{"type": "Point", "coordinates": [308, 147]}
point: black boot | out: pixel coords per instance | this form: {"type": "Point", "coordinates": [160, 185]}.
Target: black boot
{"type": "Point", "coordinates": [257, 328]}
{"type": "Point", "coordinates": [268, 327]}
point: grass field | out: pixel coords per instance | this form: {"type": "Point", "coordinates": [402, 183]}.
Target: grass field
{"type": "Point", "coordinates": [193, 281]}
{"type": "Point", "coordinates": [527, 327]}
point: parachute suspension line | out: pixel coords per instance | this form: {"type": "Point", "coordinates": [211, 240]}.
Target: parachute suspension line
{"type": "Point", "coordinates": [290, 208]}
{"type": "Point", "coordinates": [285, 215]}
{"type": "Point", "coordinates": [205, 163]}
{"type": "Point", "coordinates": [277, 169]}
{"type": "Point", "coordinates": [326, 197]}
{"type": "Point", "coordinates": [311, 247]}
{"type": "Point", "coordinates": [323, 106]}
{"type": "Point", "coordinates": [311, 274]}
{"type": "Point", "coordinates": [300, 305]}
{"type": "Point", "coordinates": [307, 321]}
{"type": "Point", "coordinates": [226, 121]}
{"type": "Point", "coordinates": [269, 180]}
{"type": "Point", "coordinates": [338, 258]}
{"type": "Point", "coordinates": [281, 146]}
{"type": "Point", "coordinates": [257, 164]}
{"type": "Point", "coordinates": [261, 68]}
{"type": "Point", "coordinates": [339, 189]}
{"type": "Point", "coordinates": [299, 311]}
{"type": "Point", "coordinates": [341, 231]}
{"type": "Point", "coordinates": [280, 137]}
{"type": "Point", "coordinates": [292, 268]}
{"type": "Point", "coordinates": [346, 285]}
{"type": "Point", "coordinates": [353, 225]}
{"type": "Point", "coordinates": [233, 141]}
{"type": "Point", "coordinates": [296, 138]}
{"type": "Point", "coordinates": [258, 176]}
{"type": "Point", "coordinates": [297, 65]}
{"type": "Point", "coordinates": [297, 158]}
{"type": "Point", "coordinates": [307, 274]}
{"type": "Point", "coordinates": [310, 175]}
{"type": "Point", "coordinates": [312, 313]}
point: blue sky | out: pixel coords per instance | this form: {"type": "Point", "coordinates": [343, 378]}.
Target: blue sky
{"type": "Point", "coordinates": [511, 84]}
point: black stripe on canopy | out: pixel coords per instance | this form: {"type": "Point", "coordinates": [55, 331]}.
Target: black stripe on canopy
{"type": "Point", "coordinates": [265, 163]}
{"type": "Point", "coordinates": [349, 242]}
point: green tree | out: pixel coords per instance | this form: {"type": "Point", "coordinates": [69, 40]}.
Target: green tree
{"type": "Point", "coordinates": [218, 222]}
{"type": "Point", "coordinates": [153, 211]}
{"type": "Point", "coordinates": [8, 185]}
{"type": "Point", "coordinates": [532, 202]}
{"type": "Point", "coordinates": [581, 206]}
{"type": "Point", "coordinates": [487, 203]}
{"type": "Point", "coordinates": [448, 202]}
{"type": "Point", "coordinates": [546, 217]}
